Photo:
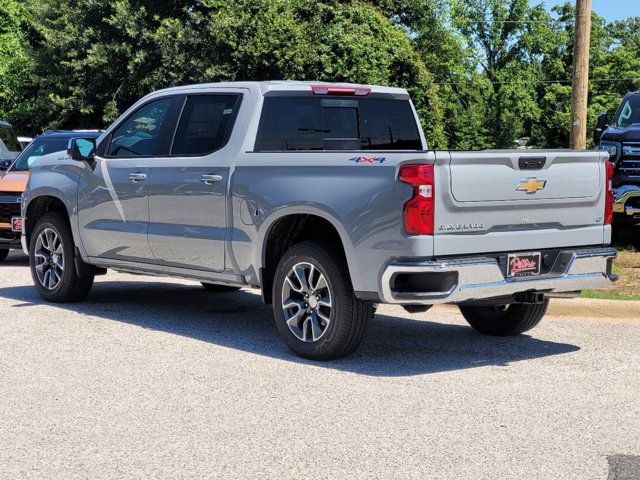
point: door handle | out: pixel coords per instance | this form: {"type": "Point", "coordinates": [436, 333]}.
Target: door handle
{"type": "Point", "coordinates": [210, 179]}
{"type": "Point", "coordinates": [137, 177]}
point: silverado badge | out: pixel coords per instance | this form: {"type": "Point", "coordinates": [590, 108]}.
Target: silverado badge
{"type": "Point", "coordinates": [531, 185]}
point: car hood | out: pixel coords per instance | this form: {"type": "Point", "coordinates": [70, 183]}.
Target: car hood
{"type": "Point", "coordinates": [626, 134]}
{"type": "Point", "coordinates": [13, 181]}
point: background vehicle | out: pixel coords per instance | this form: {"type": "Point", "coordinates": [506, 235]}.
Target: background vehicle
{"type": "Point", "coordinates": [13, 181]}
{"type": "Point", "coordinates": [326, 198]}
{"type": "Point", "coordinates": [9, 146]}
{"type": "Point", "coordinates": [24, 141]}
{"type": "Point", "coordinates": [621, 138]}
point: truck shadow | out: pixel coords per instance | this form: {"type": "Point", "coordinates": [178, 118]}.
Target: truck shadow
{"type": "Point", "coordinates": [394, 346]}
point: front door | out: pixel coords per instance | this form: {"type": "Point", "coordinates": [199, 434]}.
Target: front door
{"type": "Point", "coordinates": [187, 192]}
{"type": "Point", "coordinates": [113, 202]}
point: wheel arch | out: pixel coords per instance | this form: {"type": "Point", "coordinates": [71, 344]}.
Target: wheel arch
{"type": "Point", "coordinates": [42, 204]}
{"type": "Point", "coordinates": [294, 226]}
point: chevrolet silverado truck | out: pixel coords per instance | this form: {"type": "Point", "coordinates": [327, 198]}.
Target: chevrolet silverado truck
{"type": "Point", "coordinates": [14, 180]}
{"type": "Point", "coordinates": [325, 197]}
{"type": "Point", "coordinates": [620, 137]}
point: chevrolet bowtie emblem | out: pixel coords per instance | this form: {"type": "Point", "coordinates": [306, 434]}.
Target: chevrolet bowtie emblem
{"type": "Point", "coordinates": [531, 185]}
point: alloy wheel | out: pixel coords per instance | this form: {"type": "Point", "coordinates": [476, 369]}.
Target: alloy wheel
{"type": "Point", "coordinates": [49, 259]}
{"type": "Point", "coordinates": [306, 302]}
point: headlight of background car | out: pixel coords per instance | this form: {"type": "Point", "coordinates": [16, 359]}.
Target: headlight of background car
{"type": "Point", "coordinates": [614, 149]}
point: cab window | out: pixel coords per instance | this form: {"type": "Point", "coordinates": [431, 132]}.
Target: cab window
{"type": "Point", "coordinates": [205, 124]}
{"type": "Point", "coordinates": [140, 134]}
{"type": "Point", "coordinates": [329, 124]}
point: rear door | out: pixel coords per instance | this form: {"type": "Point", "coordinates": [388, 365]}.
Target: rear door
{"type": "Point", "coordinates": [495, 201]}
{"type": "Point", "coordinates": [187, 196]}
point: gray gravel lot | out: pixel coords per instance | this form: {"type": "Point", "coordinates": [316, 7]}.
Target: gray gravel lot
{"type": "Point", "coordinates": [153, 378]}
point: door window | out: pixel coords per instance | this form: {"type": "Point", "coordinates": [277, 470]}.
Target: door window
{"type": "Point", "coordinates": [139, 135]}
{"type": "Point", "coordinates": [205, 124]}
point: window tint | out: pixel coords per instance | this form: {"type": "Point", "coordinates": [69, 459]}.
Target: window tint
{"type": "Point", "coordinates": [388, 125]}
{"type": "Point", "coordinates": [37, 149]}
{"type": "Point", "coordinates": [313, 123]}
{"type": "Point", "coordinates": [629, 113]}
{"type": "Point", "coordinates": [290, 124]}
{"type": "Point", "coordinates": [139, 135]}
{"type": "Point", "coordinates": [205, 124]}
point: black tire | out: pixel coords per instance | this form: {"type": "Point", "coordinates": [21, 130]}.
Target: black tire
{"type": "Point", "coordinates": [505, 320]}
{"type": "Point", "coordinates": [348, 315]}
{"type": "Point", "coordinates": [4, 253]}
{"type": "Point", "coordinates": [214, 287]}
{"type": "Point", "coordinates": [71, 287]}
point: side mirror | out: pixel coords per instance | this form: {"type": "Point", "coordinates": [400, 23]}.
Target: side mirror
{"type": "Point", "coordinates": [601, 126]}
{"type": "Point", "coordinates": [82, 149]}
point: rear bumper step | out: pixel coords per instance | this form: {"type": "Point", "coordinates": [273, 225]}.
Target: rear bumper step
{"type": "Point", "coordinates": [479, 278]}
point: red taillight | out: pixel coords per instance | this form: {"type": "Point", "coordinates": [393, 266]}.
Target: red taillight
{"type": "Point", "coordinates": [608, 207]}
{"type": "Point", "coordinates": [419, 211]}
{"type": "Point", "coordinates": [340, 90]}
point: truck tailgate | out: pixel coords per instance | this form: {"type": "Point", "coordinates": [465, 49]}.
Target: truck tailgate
{"type": "Point", "coordinates": [514, 200]}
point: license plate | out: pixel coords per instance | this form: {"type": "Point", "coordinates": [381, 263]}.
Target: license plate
{"type": "Point", "coordinates": [523, 264]}
{"type": "Point", "coordinates": [16, 224]}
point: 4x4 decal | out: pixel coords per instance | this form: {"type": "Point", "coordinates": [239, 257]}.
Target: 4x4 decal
{"type": "Point", "coordinates": [367, 159]}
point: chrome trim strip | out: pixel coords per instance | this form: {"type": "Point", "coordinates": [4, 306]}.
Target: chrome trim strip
{"type": "Point", "coordinates": [481, 278]}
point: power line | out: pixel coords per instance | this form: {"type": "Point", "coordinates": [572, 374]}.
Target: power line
{"type": "Point", "coordinates": [548, 22]}
{"type": "Point", "coordinates": [594, 80]}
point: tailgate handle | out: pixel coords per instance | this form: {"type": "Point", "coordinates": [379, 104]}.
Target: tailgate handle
{"type": "Point", "coordinates": [532, 163]}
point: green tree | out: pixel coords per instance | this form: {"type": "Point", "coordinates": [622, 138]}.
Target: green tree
{"type": "Point", "coordinates": [94, 59]}
{"type": "Point", "coordinates": [507, 39]}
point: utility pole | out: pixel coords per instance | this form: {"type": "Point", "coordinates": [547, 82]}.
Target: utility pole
{"type": "Point", "coordinates": [580, 75]}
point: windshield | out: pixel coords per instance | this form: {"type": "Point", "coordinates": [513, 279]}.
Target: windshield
{"type": "Point", "coordinates": [36, 149]}
{"type": "Point", "coordinates": [629, 112]}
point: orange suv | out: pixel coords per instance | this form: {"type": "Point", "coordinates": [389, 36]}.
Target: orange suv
{"type": "Point", "coordinates": [14, 181]}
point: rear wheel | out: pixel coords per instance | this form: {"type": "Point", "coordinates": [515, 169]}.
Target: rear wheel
{"type": "Point", "coordinates": [52, 261]}
{"type": "Point", "coordinates": [214, 287]}
{"type": "Point", "coordinates": [3, 255]}
{"type": "Point", "coordinates": [315, 308]}
{"type": "Point", "coordinates": [505, 320]}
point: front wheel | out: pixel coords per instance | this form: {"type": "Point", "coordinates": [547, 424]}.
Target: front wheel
{"type": "Point", "coordinates": [52, 261]}
{"type": "Point", "coordinates": [315, 308]}
{"type": "Point", "coordinates": [505, 320]}
{"type": "Point", "coordinates": [4, 253]}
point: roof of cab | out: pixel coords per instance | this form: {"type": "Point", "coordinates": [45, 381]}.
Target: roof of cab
{"type": "Point", "coordinates": [57, 134]}
{"type": "Point", "coordinates": [283, 85]}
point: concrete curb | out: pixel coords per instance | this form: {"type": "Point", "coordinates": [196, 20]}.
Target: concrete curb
{"type": "Point", "coordinates": [584, 308]}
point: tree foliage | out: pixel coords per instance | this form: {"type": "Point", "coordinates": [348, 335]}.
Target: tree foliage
{"type": "Point", "coordinates": [482, 73]}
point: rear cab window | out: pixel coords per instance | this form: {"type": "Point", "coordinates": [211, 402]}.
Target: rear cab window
{"type": "Point", "coordinates": [305, 123]}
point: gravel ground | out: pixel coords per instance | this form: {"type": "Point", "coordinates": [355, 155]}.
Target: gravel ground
{"type": "Point", "coordinates": [153, 378]}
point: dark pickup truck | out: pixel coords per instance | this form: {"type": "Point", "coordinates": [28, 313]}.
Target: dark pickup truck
{"type": "Point", "coordinates": [621, 138]}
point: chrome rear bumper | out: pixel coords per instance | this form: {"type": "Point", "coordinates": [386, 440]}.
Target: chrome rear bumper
{"type": "Point", "coordinates": [482, 278]}
{"type": "Point", "coordinates": [622, 195]}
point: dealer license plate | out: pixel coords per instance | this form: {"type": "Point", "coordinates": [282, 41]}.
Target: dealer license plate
{"type": "Point", "coordinates": [16, 224]}
{"type": "Point", "coordinates": [523, 264]}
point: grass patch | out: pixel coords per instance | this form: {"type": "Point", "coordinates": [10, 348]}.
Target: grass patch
{"type": "Point", "coordinates": [627, 267]}
{"type": "Point", "coordinates": [607, 295]}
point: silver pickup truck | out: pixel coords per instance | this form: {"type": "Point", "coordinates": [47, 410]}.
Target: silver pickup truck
{"type": "Point", "coordinates": [325, 197]}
